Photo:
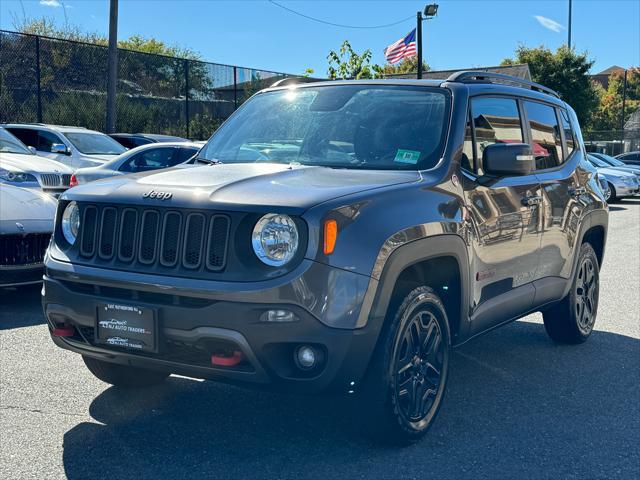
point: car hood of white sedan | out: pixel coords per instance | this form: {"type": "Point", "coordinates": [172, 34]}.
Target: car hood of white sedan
{"type": "Point", "coordinates": [31, 163]}
{"type": "Point", "coordinates": [610, 172]}
{"type": "Point", "coordinates": [25, 210]}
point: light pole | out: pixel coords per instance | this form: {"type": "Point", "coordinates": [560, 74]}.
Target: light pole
{"type": "Point", "coordinates": [112, 69]}
{"type": "Point", "coordinates": [569, 29]}
{"type": "Point", "coordinates": [430, 11]}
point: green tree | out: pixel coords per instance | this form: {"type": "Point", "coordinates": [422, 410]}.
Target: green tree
{"type": "Point", "coordinates": [566, 71]}
{"type": "Point", "coordinates": [346, 63]}
{"type": "Point", "coordinates": [407, 65]}
{"type": "Point", "coordinates": [48, 27]}
{"type": "Point", "coordinates": [608, 116]}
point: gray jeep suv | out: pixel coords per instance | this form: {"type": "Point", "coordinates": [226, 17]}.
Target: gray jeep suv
{"type": "Point", "coordinates": [344, 236]}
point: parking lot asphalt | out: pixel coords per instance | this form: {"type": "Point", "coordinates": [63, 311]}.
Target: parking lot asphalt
{"type": "Point", "coordinates": [517, 406]}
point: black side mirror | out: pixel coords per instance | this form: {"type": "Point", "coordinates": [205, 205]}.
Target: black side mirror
{"type": "Point", "coordinates": [508, 159]}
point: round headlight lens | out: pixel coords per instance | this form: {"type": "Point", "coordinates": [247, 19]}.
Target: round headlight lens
{"type": "Point", "coordinates": [275, 239]}
{"type": "Point", "coordinates": [71, 222]}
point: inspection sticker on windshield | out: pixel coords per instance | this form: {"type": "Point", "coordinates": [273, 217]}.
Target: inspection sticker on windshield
{"type": "Point", "coordinates": [407, 156]}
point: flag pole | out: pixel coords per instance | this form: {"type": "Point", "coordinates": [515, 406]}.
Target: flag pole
{"type": "Point", "coordinates": [419, 41]}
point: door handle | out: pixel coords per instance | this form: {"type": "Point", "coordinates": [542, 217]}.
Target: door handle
{"type": "Point", "coordinates": [533, 200]}
{"type": "Point", "coordinates": [577, 191]}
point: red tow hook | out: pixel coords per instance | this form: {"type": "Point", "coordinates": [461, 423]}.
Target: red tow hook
{"type": "Point", "coordinates": [225, 360]}
{"type": "Point", "coordinates": [64, 331]}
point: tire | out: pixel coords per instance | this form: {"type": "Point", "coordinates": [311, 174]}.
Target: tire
{"type": "Point", "coordinates": [572, 320]}
{"type": "Point", "coordinates": [403, 369]}
{"type": "Point", "coordinates": [123, 376]}
{"type": "Point", "coordinates": [612, 198]}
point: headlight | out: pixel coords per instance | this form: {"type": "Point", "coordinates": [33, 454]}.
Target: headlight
{"type": "Point", "coordinates": [16, 177]}
{"type": "Point", "coordinates": [275, 239]}
{"type": "Point", "coordinates": [71, 222]}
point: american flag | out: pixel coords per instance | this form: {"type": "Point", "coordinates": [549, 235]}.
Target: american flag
{"type": "Point", "coordinates": [403, 48]}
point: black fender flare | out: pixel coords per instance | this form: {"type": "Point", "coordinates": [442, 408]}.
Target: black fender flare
{"type": "Point", "coordinates": [594, 218]}
{"type": "Point", "coordinates": [417, 251]}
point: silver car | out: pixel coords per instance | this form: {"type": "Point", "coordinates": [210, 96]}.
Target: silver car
{"type": "Point", "coordinates": [20, 167]}
{"type": "Point", "coordinates": [621, 184]}
{"type": "Point", "coordinates": [26, 224]}
{"type": "Point", "coordinates": [140, 159]}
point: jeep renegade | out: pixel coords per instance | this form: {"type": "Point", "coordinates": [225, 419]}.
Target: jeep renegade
{"type": "Point", "coordinates": [342, 236]}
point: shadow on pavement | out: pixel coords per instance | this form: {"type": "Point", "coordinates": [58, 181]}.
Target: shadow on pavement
{"type": "Point", "coordinates": [517, 406]}
{"type": "Point", "coordinates": [20, 307]}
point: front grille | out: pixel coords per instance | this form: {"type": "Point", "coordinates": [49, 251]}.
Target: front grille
{"type": "Point", "coordinates": [162, 240]}
{"type": "Point", "coordinates": [50, 180]}
{"type": "Point", "coordinates": [66, 179]}
{"type": "Point", "coordinates": [23, 249]}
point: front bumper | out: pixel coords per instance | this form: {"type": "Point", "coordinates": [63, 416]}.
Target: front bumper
{"type": "Point", "coordinates": [12, 276]}
{"type": "Point", "coordinates": [624, 190]}
{"type": "Point", "coordinates": [192, 323]}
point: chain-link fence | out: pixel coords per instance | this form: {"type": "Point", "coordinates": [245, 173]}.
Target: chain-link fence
{"type": "Point", "coordinates": [612, 142]}
{"type": "Point", "coordinates": [63, 82]}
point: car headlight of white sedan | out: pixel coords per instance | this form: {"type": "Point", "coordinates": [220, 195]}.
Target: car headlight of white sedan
{"type": "Point", "coordinates": [16, 177]}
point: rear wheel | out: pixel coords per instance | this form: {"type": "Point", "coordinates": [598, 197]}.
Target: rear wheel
{"type": "Point", "coordinates": [123, 375]}
{"type": "Point", "coordinates": [572, 320]}
{"type": "Point", "coordinates": [408, 376]}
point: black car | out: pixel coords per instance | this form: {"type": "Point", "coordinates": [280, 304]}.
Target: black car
{"type": "Point", "coordinates": [343, 237]}
{"type": "Point", "coordinates": [132, 140]}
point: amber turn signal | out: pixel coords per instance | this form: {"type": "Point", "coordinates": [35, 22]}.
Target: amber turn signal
{"type": "Point", "coordinates": [330, 236]}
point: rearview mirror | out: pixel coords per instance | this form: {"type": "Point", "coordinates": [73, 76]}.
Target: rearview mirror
{"type": "Point", "coordinates": [508, 159]}
{"type": "Point", "coordinates": [33, 150]}
{"type": "Point", "coordinates": [60, 148]}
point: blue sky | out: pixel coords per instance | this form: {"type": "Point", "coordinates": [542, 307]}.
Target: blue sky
{"type": "Point", "coordinates": [259, 34]}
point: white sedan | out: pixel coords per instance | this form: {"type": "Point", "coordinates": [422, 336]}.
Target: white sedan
{"type": "Point", "coordinates": [145, 158]}
{"type": "Point", "coordinates": [20, 167]}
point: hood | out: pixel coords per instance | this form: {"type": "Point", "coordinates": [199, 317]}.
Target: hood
{"type": "Point", "coordinates": [244, 186]}
{"type": "Point", "coordinates": [25, 210]}
{"type": "Point", "coordinates": [31, 163]}
{"type": "Point", "coordinates": [612, 172]}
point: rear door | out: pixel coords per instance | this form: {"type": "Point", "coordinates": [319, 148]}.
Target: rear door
{"type": "Point", "coordinates": [558, 160]}
{"type": "Point", "coordinates": [506, 214]}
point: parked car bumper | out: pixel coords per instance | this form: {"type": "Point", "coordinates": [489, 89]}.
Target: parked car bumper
{"type": "Point", "coordinates": [192, 326]}
{"type": "Point", "coordinates": [13, 276]}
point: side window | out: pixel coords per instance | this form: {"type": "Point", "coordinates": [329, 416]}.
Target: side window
{"type": "Point", "coordinates": [545, 134]}
{"type": "Point", "coordinates": [184, 154]}
{"type": "Point", "coordinates": [149, 160]}
{"type": "Point", "coordinates": [568, 132]}
{"type": "Point", "coordinates": [45, 140]}
{"type": "Point", "coordinates": [26, 135]}
{"type": "Point", "coordinates": [495, 120]}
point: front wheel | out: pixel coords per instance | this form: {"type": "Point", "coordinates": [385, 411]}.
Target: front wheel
{"type": "Point", "coordinates": [611, 196]}
{"type": "Point", "coordinates": [572, 320]}
{"type": "Point", "coordinates": [123, 375]}
{"type": "Point", "coordinates": [408, 376]}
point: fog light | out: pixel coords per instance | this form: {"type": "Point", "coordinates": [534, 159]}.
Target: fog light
{"type": "Point", "coordinates": [278, 316]}
{"type": "Point", "coordinates": [305, 357]}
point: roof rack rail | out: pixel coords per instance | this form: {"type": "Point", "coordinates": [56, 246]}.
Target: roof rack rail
{"type": "Point", "coordinates": [475, 76]}
{"type": "Point", "coordinates": [283, 82]}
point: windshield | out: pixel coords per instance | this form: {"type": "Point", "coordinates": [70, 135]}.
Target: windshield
{"type": "Point", "coordinates": [95, 143]}
{"type": "Point", "coordinates": [10, 144]}
{"type": "Point", "coordinates": [597, 162]}
{"type": "Point", "coordinates": [611, 161]}
{"type": "Point", "coordinates": [354, 126]}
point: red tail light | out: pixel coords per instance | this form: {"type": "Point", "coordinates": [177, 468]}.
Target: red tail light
{"type": "Point", "coordinates": [74, 181]}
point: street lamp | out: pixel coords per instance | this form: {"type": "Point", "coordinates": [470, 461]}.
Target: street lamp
{"type": "Point", "coordinates": [430, 11]}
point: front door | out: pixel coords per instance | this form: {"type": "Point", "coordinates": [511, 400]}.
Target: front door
{"type": "Point", "coordinates": [506, 215]}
